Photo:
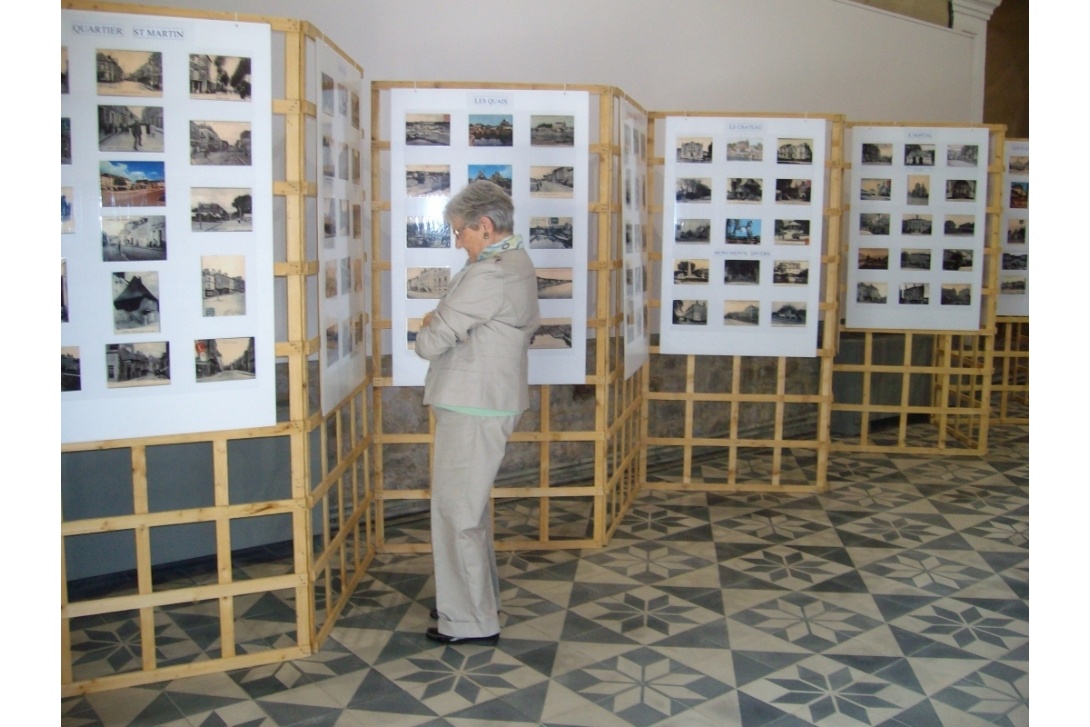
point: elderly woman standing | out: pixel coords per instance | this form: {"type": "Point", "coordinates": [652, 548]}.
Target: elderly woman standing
{"type": "Point", "coordinates": [477, 343]}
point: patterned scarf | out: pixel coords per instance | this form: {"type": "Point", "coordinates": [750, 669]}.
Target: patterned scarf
{"type": "Point", "coordinates": [512, 242]}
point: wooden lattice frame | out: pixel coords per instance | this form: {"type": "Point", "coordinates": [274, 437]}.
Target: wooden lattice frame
{"type": "Point", "coordinates": [735, 443]}
{"type": "Point", "coordinates": [347, 550]}
{"type": "Point", "coordinates": [960, 368]}
{"type": "Point", "coordinates": [1010, 385]}
{"type": "Point", "coordinates": [614, 436]}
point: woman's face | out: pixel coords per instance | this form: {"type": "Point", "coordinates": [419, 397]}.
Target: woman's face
{"type": "Point", "coordinates": [471, 239]}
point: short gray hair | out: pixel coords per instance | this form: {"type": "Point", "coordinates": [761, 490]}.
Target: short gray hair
{"type": "Point", "coordinates": [481, 198]}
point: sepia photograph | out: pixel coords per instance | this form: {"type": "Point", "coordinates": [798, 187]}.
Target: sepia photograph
{"type": "Point", "coordinates": [694, 149]}
{"type": "Point", "coordinates": [789, 313]}
{"type": "Point", "coordinates": [332, 344]}
{"type": "Point", "coordinates": [791, 232]}
{"type": "Point", "coordinates": [131, 239]}
{"type": "Point", "coordinates": [357, 221]}
{"type": "Point", "coordinates": [915, 259]}
{"type": "Point", "coordinates": [687, 272]}
{"type": "Point", "coordinates": [136, 302]}
{"type": "Point", "coordinates": [1016, 231]}
{"type": "Point", "coordinates": [552, 333]}
{"type": "Point", "coordinates": [959, 225]}
{"type": "Point", "coordinates": [64, 69]}
{"type": "Point", "coordinates": [552, 182]}
{"type": "Point", "coordinates": [794, 151]}
{"type": "Point", "coordinates": [427, 283]}
{"type": "Point", "coordinates": [329, 221]}
{"type": "Point", "coordinates": [793, 191]}
{"type": "Point", "coordinates": [1018, 165]}
{"type": "Point", "coordinates": [220, 143]}
{"type": "Point", "coordinates": [696, 230]}
{"type": "Point", "coordinates": [877, 154]}
{"type": "Point", "coordinates": [961, 155]}
{"type": "Point", "coordinates": [427, 232]}
{"type": "Point", "coordinates": [225, 359]}
{"type": "Point", "coordinates": [66, 140]}
{"type": "Point", "coordinates": [791, 272]}
{"type": "Point", "coordinates": [916, 225]}
{"type": "Point", "coordinates": [956, 294]}
{"type": "Point", "coordinates": [554, 283]}
{"type": "Point", "coordinates": [346, 275]}
{"type": "Point", "coordinates": [1012, 284]}
{"type": "Point", "coordinates": [331, 279]}
{"type": "Point", "coordinates": [914, 294]}
{"type": "Point", "coordinates": [130, 128]}
{"type": "Point", "coordinates": [70, 377]}
{"type": "Point", "coordinates": [961, 190]}
{"type": "Point", "coordinates": [491, 130]}
{"type": "Point", "coordinates": [871, 293]}
{"type": "Point", "coordinates": [1019, 197]}
{"type": "Point", "coordinates": [357, 275]}
{"type": "Point", "coordinates": [919, 189]}
{"type": "Point", "coordinates": [743, 231]}
{"type": "Point", "coordinates": [342, 161]}
{"type": "Point", "coordinates": [954, 259]}
{"type": "Point", "coordinates": [552, 130]}
{"type": "Point", "coordinates": [329, 95]}
{"type": "Point", "coordinates": [1015, 261]}
{"type": "Point", "coordinates": [742, 272]}
{"type": "Point", "coordinates": [355, 110]}
{"type": "Point", "coordinates": [690, 312]}
{"type": "Point", "coordinates": [132, 184]}
{"type": "Point", "coordinates": [68, 220]}
{"type": "Point", "coordinates": [412, 327]}
{"type": "Point", "coordinates": [342, 100]}
{"type": "Point", "coordinates": [219, 78]}
{"type": "Point", "coordinates": [221, 209]}
{"type": "Point", "coordinates": [693, 189]}
{"type": "Point", "coordinates": [427, 129]}
{"type": "Point", "coordinates": [223, 279]}
{"type": "Point", "coordinates": [745, 150]}
{"type": "Point", "coordinates": [498, 174]}
{"type": "Point", "coordinates": [343, 223]}
{"type": "Point", "coordinates": [64, 290]}
{"type": "Point", "coordinates": [356, 167]}
{"type": "Point", "coordinates": [137, 364]}
{"type": "Point", "coordinates": [873, 258]}
{"type": "Point", "coordinates": [129, 73]}
{"type": "Point", "coordinates": [873, 223]}
{"type": "Point", "coordinates": [346, 338]}
{"type": "Point", "coordinates": [919, 155]}
{"type": "Point", "coordinates": [329, 162]}
{"type": "Point", "coordinates": [744, 189]}
{"type": "Point", "coordinates": [741, 312]}
{"type": "Point", "coordinates": [550, 233]}
{"type": "Point", "coordinates": [875, 189]}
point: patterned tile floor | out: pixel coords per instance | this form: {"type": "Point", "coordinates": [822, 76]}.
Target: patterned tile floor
{"type": "Point", "coordinates": [898, 598]}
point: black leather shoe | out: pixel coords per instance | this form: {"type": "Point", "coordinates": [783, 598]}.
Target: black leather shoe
{"type": "Point", "coordinates": [434, 635]}
{"type": "Point", "coordinates": [435, 614]}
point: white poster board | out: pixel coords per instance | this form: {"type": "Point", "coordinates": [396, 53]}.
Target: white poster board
{"type": "Point", "coordinates": [534, 143]}
{"type": "Point", "coordinates": [637, 335]}
{"type": "Point", "coordinates": [1014, 231]}
{"type": "Point", "coordinates": [166, 226]}
{"type": "Point", "coordinates": [742, 232]}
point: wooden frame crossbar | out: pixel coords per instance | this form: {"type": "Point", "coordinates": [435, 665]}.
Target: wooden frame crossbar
{"type": "Point", "coordinates": [1010, 384]}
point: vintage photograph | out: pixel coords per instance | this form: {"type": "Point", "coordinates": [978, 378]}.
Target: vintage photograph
{"type": "Point", "coordinates": [427, 232]}
{"type": "Point", "coordinates": [959, 225]}
{"type": "Point", "coordinates": [791, 272]}
{"type": "Point", "coordinates": [68, 220]}
{"type": "Point", "coordinates": [1016, 231]}
{"type": "Point", "coordinates": [342, 161]}
{"type": "Point", "coordinates": [223, 279]}
{"type": "Point", "coordinates": [742, 272]}
{"type": "Point", "coordinates": [875, 189]}
{"type": "Point", "coordinates": [915, 259]}
{"type": "Point", "coordinates": [961, 155]}
{"type": "Point", "coordinates": [956, 294]}
{"type": "Point", "coordinates": [329, 161]}
{"type": "Point", "coordinates": [221, 209]}
{"type": "Point", "coordinates": [355, 110]}
{"type": "Point", "coordinates": [346, 338]}
{"type": "Point", "coordinates": [329, 221]}
{"type": "Point", "coordinates": [919, 155]}
{"type": "Point", "coordinates": [1018, 165]}
{"type": "Point", "coordinates": [743, 231]}
{"type": "Point", "coordinates": [331, 289]}
{"type": "Point", "coordinates": [329, 95]}
{"type": "Point", "coordinates": [744, 189]}
{"type": "Point", "coordinates": [916, 225]}
{"type": "Point", "coordinates": [342, 100]}
{"type": "Point", "coordinates": [552, 333]}
{"type": "Point", "coordinates": [873, 223]}
{"type": "Point", "coordinates": [137, 364]}
{"type": "Point", "coordinates": [745, 150]}
{"type": "Point", "coordinates": [66, 140]}
{"type": "Point", "coordinates": [498, 174]}
{"type": "Point", "coordinates": [219, 78]}
{"type": "Point", "coordinates": [357, 221]}
{"type": "Point", "coordinates": [877, 154]}
{"type": "Point", "coordinates": [427, 129]}
{"type": "Point", "coordinates": [224, 359]}
{"type": "Point", "coordinates": [693, 189]}
{"type": "Point", "coordinates": [130, 128]}
{"type": "Point", "coordinates": [64, 69]}
{"type": "Point", "coordinates": [1012, 284]}
{"type": "Point", "coordinates": [741, 312]}
{"type": "Point", "coordinates": [491, 130]}
{"type": "Point", "coordinates": [552, 182]}
{"type": "Point", "coordinates": [696, 230]}
{"type": "Point", "coordinates": [220, 143]}
{"type": "Point", "coordinates": [357, 275]}
{"type": "Point", "coordinates": [1019, 197]}
{"type": "Point", "coordinates": [332, 344]}
{"type": "Point", "coordinates": [343, 222]}
{"type": "Point", "coordinates": [136, 302]}
{"type": "Point", "coordinates": [129, 73]}
{"type": "Point", "coordinates": [871, 292]}
{"type": "Point", "coordinates": [955, 259]}
{"type": "Point", "coordinates": [427, 283]}
{"type": "Point", "coordinates": [794, 151]}
{"type": "Point", "coordinates": [694, 149]}
{"type": "Point", "coordinates": [64, 290]}
{"type": "Point", "coordinates": [554, 283]}
{"type": "Point", "coordinates": [550, 233]}
{"type": "Point", "coordinates": [687, 272]}
{"type": "Point", "coordinates": [132, 184]}
{"type": "Point", "coordinates": [690, 312]}
{"type": "Point", "coordinates": [873, 258]}
{"type": "Point", "coordinates": [356, 167]}
{"type": "Point", "coordinates": [789, 313]}
{"type": "Point", "coordinates": [1015, 261]}
{"type": "Point", "coordinates": [70, 377]}
{"type": "Point", "coordinates": [961, 190]}
{"type": "Point", "coordinates": [793, 191]}
{"type": "Point", "coordinates": [791, 232]}
{"type": "Point", "coordinates": [914, 294]}
{"type": "Point", "coordinates": [346, 275]}
{"type": "Point", "coordinates": [552, 130]}
{"type": "Point", "coordinates": [412, 327]}
{"type": "Point", "coordinates": [919, 189]}
{"type": "Point", "coordinates": [129, 239]}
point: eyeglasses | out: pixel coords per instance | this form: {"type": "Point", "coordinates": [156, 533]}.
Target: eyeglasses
{"type": "Point", "coordinates": [463, 228]}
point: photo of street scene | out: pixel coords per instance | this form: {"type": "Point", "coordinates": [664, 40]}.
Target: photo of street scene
{"type": "Point", "coordinates": [498, 174]}
{"type": "Point", "coordinates": [791, 232]}
{"type": "Point", "coordinates": [872, 293]}
{"type": "Point", "coordinates": [332, 344]}
{"type": "Point", "coordinates": [342, 161]}
{"type": "Point", "coordinates": [552, 130]}
{"type": "Point", "coordinates": [1018, 165]}
{"type": "Point", "coordinates": [880, 154]}
{"type": "Point", "coordinates": [915, 259]}
{"type": "Point", "coordinates": [919, 189]}
{"type": "Point", "coordinates": [66, 140]}
{"type": "Point", "coordinates": [355, 110]}
{"type": "Point", "coordinates": [224, 359]}
{"type": "Point", "coordinates": [130, 128]}
{"type": "Point", "coordinates": [743, 231]}
{"type": "Point", "coordinates": [1016, 231]}
{"type": "Point", "coordinates": [956, 294]}
{"type": "Point", "coordinates": [427, 129]}
{"type": "Point", "coordinates": [329, 95]}
{"type": "Point", "coordinates": [1015, 261]}
{"type": "Point", "coordinates": [1012, 285]}
{"type": "Point", "coordinates": [554, 283]}
{"type": "Point", "coordinates": [689, 312]}
{"type": "Point", "coordinates": [873, 258]}
{"type": "Point", "coordinates": [427, 283]}
{"type": "Point", "coordinates": [221, 209]}
{"type": "Point", "coordinates": [70, 376]}
{"type": "Point", "coordinates": [793, 191]}
{"type": "Point", "coordinates": [132, 184]}
{"type": "Point", "coordinates": [919, 155]}
{"type": "Point", "coordinates": [744, 189]}
{"type": "Point", "coordinates": [692, 231]}
{"type": "Point", "coordinates": [691, 189]}
{"type": "Point", "coordinates": [68, 220]}
{"type": "Point", "coordinates": [329, 163]}
{"type": "Point", "coordinates": [788, 313]}
{"type": "Point", "coordinates": [961, 155]}
{"type": "Point", "coordinates": [220, 143]}
{"type": "Point", "coordinates": [961, 190]}
{"type": "Point", "coordinates": [427, 232]}
{"type": "Point", "coordinates": [137, 364]}
{"type": "Point", "coordinates": [687, 272]}
{"type": "Point", "coordinates": [875, 189]}
{"type": "Point", "coordinates": [745, 150]}
{"type": "Point", "coordinates": [330, 279]}
{"type": "Point", "coordinates": [552, 182]}
{"type": "Point", "coordinates": [134, 238]}
{"type": "Point", "coordinates": [914, 294]}
{"type": "Point", "coordinates": [343, 222]}
{"type": "Point", "coordinates": [552, 333]}
{"type": "Point", "coordinates": [357, 221]}
{"type": "Point", "coordinates": [741, 312]}
{"type": "Point", "coordinates": [694, 149]}
{"type": "Point", "coordinates": [791, 272]}
{"type": "Point", "coordinates": [873, 223]}
{"type": "Point", "coordinates": [491, 130]}
{"type": "Point", "coordinates": [223, 280]}
{"type": "Point", "coordinates": [957, 259]}
{"type": "Point", "coordinates": [219, 78]}
{"type": "Point", "coordinates": [550, 233]}
{"type": "Point", "coordinates": [959, 225]}
{"type": "Point", "coordinates": [794, 151]}
{"type": "Point", "coordinates": [916, 225]}
{"type": "Point", "coordinates": [742, 272]}
{"type": "Point", "coordinates": [129, 73]}
{"type": "Point", "coordinates": [329, 221]}
{"type": "Point", "coordinates": [136, 302]}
